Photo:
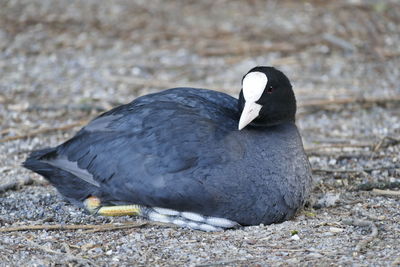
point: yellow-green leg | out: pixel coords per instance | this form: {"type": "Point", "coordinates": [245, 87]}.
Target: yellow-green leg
{"type": "Point", "coordinates": [93, 205]}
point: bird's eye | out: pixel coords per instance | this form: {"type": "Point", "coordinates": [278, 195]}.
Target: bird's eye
{"type": "Point", "coordinates": [270, 89]}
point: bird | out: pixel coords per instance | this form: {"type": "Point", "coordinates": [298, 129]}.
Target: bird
{"type": "Point", "coordinates": [196, 158]}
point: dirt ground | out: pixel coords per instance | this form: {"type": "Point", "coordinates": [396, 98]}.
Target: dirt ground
{"type": "Point", "coordinates": [63, 62]}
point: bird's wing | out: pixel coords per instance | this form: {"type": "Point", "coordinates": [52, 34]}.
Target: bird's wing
{"type": "Point", "coordinates": [153, 151]}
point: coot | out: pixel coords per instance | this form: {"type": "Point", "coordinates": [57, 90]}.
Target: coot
{"type": "Point", "coordinates": [193, 157]}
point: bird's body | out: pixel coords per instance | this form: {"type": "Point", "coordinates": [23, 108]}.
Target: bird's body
{"type": "Point", "coordinates": [180, 150]}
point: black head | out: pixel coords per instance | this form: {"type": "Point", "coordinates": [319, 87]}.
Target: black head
{"type": "Point", "coordinates": [266, 98]}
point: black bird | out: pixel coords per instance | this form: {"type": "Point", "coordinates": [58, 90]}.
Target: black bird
{"type": "Point", "coordinates": [193, 157]}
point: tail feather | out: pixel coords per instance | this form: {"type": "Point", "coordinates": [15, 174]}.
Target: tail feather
{"type": "Point", "coordinates": [71, 187]}
{"type": "Point", "coordinates": [39, 154]}
{"type": "Point", "coordinates": [34, 163]}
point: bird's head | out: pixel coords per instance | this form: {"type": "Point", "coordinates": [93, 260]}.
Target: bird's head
{"type": "Point", "coordinates": [266, 98]}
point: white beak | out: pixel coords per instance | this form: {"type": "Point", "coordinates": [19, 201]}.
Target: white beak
{"type": "Point", "coordinates": [249, 113]}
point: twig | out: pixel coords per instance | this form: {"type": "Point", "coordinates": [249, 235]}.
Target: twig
{"type": "Point", "coordinates": [391, 142]}
{"type": "Point", "coordinates": [5, 131]}
{"type": "Point", "coordinates": [245, 48]}
{"type": "Point", "coordinates": [339, 146]}
{"type": "Point", "coordinates": [362, 223]}
{"type": "Point", "coordinates": [224, 262]}
{"type": "Point", "coordinates": [378, 146]}
{"type": "Point", "coordinates": [44, 130]}
{"type": "Point", "coordinates": [339, 154]}
{"type": "Point", "coordinates": [79, 107]}
{"type": "Point", "coordinates": [155, 83]}
{"type": "Point", "coordinates": [61, 227]}
{"type": "Point", "coordinates": [378, 185]}
{"type": "Point", "coordinates": [354, 170]}
{"type": "Point", "coordinates": [386, 192]}
{"type": "Point", "coordinates": [115, 227]}
{"type": "Point", "coordinates": [251, 260]}
{"type": "Point", "coordinates": [67, 255]}
{"type": "Point", "coordinates": [15, 184]}
{"type": "Point", "coordinates": [337, 170]}
{"type": "Point", "coordinates": [349, 100]}
{"type": "Point", "coordinates": [339, 42]}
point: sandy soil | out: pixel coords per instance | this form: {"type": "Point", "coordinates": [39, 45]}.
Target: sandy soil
{"type": "Point", "coordinates": [63, 62]}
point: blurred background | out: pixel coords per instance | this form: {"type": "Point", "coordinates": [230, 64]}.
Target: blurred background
{"type": "Point", "coordinates": [63, 62]}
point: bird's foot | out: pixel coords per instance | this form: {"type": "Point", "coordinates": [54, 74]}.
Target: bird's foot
{"type": "Point", "coordinates": [183, 219]}
{"type": "Point", "coordinates": [190, 219]}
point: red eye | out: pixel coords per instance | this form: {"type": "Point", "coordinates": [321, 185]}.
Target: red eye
{"type": "Point", "coordinates": [270, 89]}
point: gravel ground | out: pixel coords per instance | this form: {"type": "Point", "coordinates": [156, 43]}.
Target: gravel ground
{"type": "Point", "coordinates": [63, 62]}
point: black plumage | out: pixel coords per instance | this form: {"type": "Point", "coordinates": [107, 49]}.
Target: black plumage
{"type": "Point", "coordinates": [180, 149]}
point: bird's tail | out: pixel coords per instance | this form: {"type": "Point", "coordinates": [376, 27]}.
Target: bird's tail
{"type": "Point", "coordinates": [34, 162]}
{"type": "Point", "coordinates": [71, 187]}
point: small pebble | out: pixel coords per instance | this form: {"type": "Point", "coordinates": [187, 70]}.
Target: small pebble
{"type": "Point", "coordinates": [335, 230]}
{"type": "Point", "coordinates": [295, 237]}
{"type": "Point", "coordinates": [315, 255]}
